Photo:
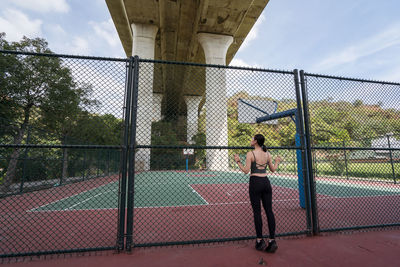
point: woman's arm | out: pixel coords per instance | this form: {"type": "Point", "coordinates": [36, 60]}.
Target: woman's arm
{"type": "Point", "coordinates": [273, 167]}
{"type": "Point", "coordinates": [246, 168]}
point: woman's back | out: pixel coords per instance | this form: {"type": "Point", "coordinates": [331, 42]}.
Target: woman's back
{"type": "Point", "coordinates": [259, 162]}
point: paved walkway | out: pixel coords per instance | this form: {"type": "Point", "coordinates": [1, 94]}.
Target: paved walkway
{"type": "Point", "coordinates": [379, 248]}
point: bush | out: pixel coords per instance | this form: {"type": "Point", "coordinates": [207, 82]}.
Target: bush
{"type": "Point", "coordinates": [164, 133]}
{"type": "Point", "coordinates": [338, 164]}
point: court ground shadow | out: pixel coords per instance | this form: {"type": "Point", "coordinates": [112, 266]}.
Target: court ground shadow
{"type": "Point", "coordinates": [377, 247]}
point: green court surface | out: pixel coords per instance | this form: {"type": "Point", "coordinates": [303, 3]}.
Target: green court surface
{"type": "Point", "coordinates": [172, 189]}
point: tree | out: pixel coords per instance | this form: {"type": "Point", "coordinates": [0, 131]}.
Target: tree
{"type": "Point", "coordinates": [33, 87]}
{"type": "Point", "coordinates": [61, 109]}
{"type": "Point", "coordinates": [358, 103]}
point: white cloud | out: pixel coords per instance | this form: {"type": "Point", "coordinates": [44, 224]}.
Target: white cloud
{"type": "Point", "coordinates": [79, 46]}
{"type": "Point", "coordinates": [391, 75]}
{"type": "Point", "coordinates": [369, 46]}
{"type": "Point", "coordinates": [43, 6]}
{"type": "Point", "coordinates": [241, 63]}
{"type": "Point", "coordinates": [55, 30]}
{"type": "Point", "coordinates": [253, 34]}
{"type": "Point", "coordinates": [106, 31]}
{"type": "Point", "coordinates": [16, 25]}
{"type": "Point", "coordinates": [107, 80]}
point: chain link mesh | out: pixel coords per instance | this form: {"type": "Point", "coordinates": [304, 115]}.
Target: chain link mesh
{"type": "Point", "coordinates": [188, 188]}
{"type": "Point", "coordinates": [354, 123]}
{"type": "Point", "coordinates": [66, 152]}
{"type": "Point", "coordinates": [60, 156]}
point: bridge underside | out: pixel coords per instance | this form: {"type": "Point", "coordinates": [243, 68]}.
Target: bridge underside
{"type": "Point", "coordinates": [199, 31]}
{"type": "Point", "coordinates": [179, 22]}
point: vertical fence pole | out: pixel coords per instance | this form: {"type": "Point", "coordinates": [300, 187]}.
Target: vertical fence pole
{"type": "Point", "coordinates": [132, 154]}
{"type": "Point", "coordinates": [315, 164]}
{"type": "Point", "coordinates": [391, 158]}
{"type": "Point", "coordinates": [98, 163]}
{"type": "Point", "coordinates": [108, 163]}
{"type": "Point", "coordinates": [84, 165]}
{"type": "Point", "coordinates": [345, 159]}
{"type": "Point", "coordinates": [314, 211]}
{"type": "Point", "coordinates": [303, 152]}
{"type": "Point", "coordinates": [124, 161]}
{"type": "Point", "coordinates": [28, 137]}
{"type": "Point", "coordinates": [294, 162]}
{"type": "Point", "coordinates": [64, 151]}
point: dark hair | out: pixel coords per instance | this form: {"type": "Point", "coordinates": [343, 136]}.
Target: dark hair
{"type": "Point", "coordinates": [260, 141]}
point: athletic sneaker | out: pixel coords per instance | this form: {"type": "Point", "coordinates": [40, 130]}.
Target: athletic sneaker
{"type": "Point", "coordinates": [260, 245]}
{"type": "Point", "coordinates": [272, 246]}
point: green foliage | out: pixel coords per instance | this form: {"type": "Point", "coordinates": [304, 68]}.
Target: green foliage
{"type": "Point", "coordinates": [200, 154]}
{"type": "Point", "coordinates": [39, 97]}
{"type": "Point", "coordinates": [165, 133]}
{"type": "Point", "coordinates": [337, 162]}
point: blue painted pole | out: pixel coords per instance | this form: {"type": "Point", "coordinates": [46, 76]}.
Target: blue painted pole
{"type": "Point", "coordinates": [300, 173]}
{"type": "Point", "coordinates": [292, 113]}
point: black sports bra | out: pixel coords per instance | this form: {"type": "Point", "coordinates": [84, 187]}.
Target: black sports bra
{"type": "Point", "coordinates": [254, 165]}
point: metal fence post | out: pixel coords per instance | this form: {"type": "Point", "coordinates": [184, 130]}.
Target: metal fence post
{"type": "Point", "coordinates": [313, 200]}
{"type": "Point", "coordinates": [28, 137]}
{"type": "Point", "coordinates": [294, 163]}
{"type": "Point", "coordinates": [132, 148]}
{"type": "Point", "coordinates": [124, 162]}
{"type": "Point", "coordinates": [108, 163]}
{"type": "Point", "coordinates": [303, 153]}
{"type": "Point", "coordinates": [315, 164]}
{"type": "Point", "coordinates": [84, 163]}
{"type": "Point", "coordinates": [391, 159]}
{"type": "Point", "coordinates": [98, 164]}
{"type": "Point", "coordinates": [345, 159]}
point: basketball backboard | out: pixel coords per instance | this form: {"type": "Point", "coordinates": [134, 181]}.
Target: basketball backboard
{"type": "Point", "coordinates": [250, 110]}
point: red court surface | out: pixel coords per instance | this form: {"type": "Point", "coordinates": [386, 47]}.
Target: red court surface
{"type": "Point", "coordinates": [378, 247]}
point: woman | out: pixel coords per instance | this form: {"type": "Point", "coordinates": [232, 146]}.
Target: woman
{"type": "Point", "coordinates": [260, 189]}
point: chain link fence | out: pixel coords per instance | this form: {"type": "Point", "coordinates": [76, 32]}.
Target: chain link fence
{"type": "Point", "coordinates": [356, 151]}
{"type": "Point", "coordinates": [99, 153]}
{"type": "Point", "coordinates": [188, 188]}
{"type": "Point", "coordinates": [60, 152]}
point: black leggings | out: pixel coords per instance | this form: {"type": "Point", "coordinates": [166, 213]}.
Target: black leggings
{"type": "Point", "coordinates": [260, 189]}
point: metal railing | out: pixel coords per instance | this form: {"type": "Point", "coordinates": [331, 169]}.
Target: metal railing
{"type": "Point", "coordinates": [101, 153]}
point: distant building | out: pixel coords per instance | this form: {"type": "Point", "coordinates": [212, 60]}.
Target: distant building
{"type": "Point", "coordinates": [383, 142]}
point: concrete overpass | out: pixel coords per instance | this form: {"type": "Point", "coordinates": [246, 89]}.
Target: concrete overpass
{"type": "Point", "coordinates": [200, 31]}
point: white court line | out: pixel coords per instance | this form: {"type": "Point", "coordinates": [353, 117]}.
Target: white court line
{"type": "Point", "coordinates": [42, 206]}
{"type": "Point", "coordinates": [80, 202]}
{"type": "Point", "coordinates": [212, 204]}
{"type": "Point", "coordinates": [235, 190]}
{"type": "Point", "coordinates": [194, 191]}
{"type": "Point", "coordinates": [153, 184]}
{"type": "Point", "coordinates": [333, 197]}
{"type": "Point", "coordinates": [361, 186]}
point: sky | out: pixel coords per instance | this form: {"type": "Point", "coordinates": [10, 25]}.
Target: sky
{"type": "Point", "coordinates": [357, 38]}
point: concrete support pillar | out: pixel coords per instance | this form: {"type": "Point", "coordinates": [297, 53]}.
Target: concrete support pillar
{"type": "Point", "coordinates": [157, 99]}
{"type": "Point", "coordinates": [215, 47]}
{"type": "Point", "coordinates": [144, 36]}
{"type": "Point", "coordinates": [192, 103]}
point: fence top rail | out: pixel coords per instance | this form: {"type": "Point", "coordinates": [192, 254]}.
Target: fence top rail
{"type": "Point", "coordinates": [61, 146]}
{"type": "Point", "coordinates": [213, 147]}
{"type": "Point", "coordinates": [350, 79]}
{"type": "Point", "coordinates": [62, 56]}
{"type": "Point", "coordinates": [354, 148]}
{"type": "Point", "coordinates": [215, 66]}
